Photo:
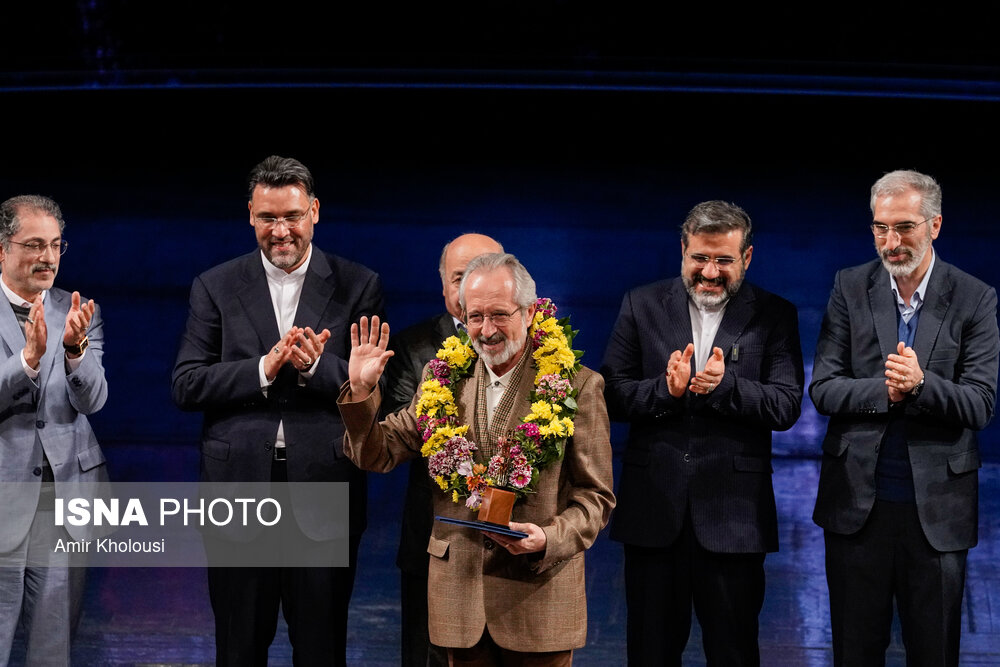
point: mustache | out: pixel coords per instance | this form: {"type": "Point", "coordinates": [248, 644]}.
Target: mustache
{"type": "Point", "coordinates": [719, 280]}
{"type": "Point", "coordinates": [43, 266]}
{"type": "Point", "coordinates": [497, 337]}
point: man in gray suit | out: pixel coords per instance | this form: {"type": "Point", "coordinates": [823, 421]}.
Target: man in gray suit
{"type": "Point", "coordinates": [51, 378]}
{"type": "Point", "coordinates": [906, 367]}
{"type": "Point", "coordinates": [413, 348]}
{"type": "Point", "coordinates": [703, 367]}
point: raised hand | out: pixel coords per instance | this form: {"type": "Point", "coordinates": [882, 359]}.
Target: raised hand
{"type": "Point", "coordinates": [77, 320]}
{"type": "Point", "coordinates": [902, 372]}
{"type": "Point", "coordinates": [707, 380]}
{"type": "Point", "coordinates": [368, 356]}
{"type": "Point", "coordinates": [679, 370]}
{"type": "Point", "coordinates": [35, 333]}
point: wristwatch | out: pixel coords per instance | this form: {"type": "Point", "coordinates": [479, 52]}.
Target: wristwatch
{"type": "Point", "coordinates": [77, 349]}
{"type": "Point", "coordinates": [916, 389]}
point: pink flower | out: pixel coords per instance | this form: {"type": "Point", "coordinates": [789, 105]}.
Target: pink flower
{"type": "Point", "coordinates": [520, 479]}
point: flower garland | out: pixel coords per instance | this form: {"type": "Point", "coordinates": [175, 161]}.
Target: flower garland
{"type": "Point", "coordinates": [538, 441]}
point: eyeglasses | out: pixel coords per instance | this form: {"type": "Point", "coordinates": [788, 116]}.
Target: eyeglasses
{"type": "Point", "coordinates": [58, 247]}
{"type": "Point", "coordinates": [291, 221]}
{"type": "Point", "coordinates": [703, 260]}
{"type": "Point", "coordinates": [498, 319]}
{"type": "Point", "coordinates": [901, 228]}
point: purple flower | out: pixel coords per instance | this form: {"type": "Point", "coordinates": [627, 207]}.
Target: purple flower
{"type": "Point", "coordinates": [546, 307]}
{"type": "Point", "coordinates": [439, 369]}
{"type": "Point", "coordinates": [473, 501]}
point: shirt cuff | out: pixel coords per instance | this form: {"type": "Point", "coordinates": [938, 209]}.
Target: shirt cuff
{"type": "Point", "coordinates": [264, 382]}
{"type": "Point", "coordinates": [28, 370]}
{"type": "Point", "coordinates": [73, 364]}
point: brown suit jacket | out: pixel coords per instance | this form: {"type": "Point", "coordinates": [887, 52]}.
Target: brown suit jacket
{"type": "Point", "coordinates": [534, 602]}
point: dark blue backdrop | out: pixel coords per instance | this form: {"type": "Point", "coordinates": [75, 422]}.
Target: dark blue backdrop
{"type": "Point", "coordinates": [586, 186]}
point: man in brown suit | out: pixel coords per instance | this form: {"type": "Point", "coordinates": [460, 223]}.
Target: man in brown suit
{"type": "Point", "coordinates": [494, 599]}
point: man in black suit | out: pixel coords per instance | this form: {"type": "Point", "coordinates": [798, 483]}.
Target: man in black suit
{"type": "Point", "coordinates": [263, 356]}
{"type": "Point", "coordinates": [704, 367]}
{"type": "Point", "coordinates": [906, 367]}
{"type": "Point", "coordinates": [414, 347]}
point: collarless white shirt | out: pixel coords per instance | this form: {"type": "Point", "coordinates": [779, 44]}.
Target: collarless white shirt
{"type": "Point", "coordinates": [285, 289]}
{"type": "Point", "coordinates": [704, 325]}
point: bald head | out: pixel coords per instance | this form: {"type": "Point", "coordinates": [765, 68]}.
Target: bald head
{"type": "Point", "coordinates": [454, 258]}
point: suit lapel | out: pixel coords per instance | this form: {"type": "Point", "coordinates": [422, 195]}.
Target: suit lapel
{"type": "Point", "coordinates": [937, 300]}
{"type": "Point", "coordinates": [466, 400]}
{"type": "Point", "coordinates": [883, 306]}
{"type": "Point", "coordinates": [675, 321]}
{"type": "Point", "coordinates": [10, 330]}
{"type": "Point", "coordinates": [317, 291]}
{"type": "Point", "coordinates": [255, 297]}
{"type": "Point", "coordinates": [739, 311]}
{"type": "Point", "coordinates": [56, 308]}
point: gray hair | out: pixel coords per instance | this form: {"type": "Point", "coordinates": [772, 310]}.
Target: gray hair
{"type": "Point", "coordinates": [11, 209]}
{"type": "Point", "coordinates": [901, 180]}
{"type": "Point", "coordinates": [717, 217]}
{"type": "Point", "coordinates": [524, 284]}
{"type": "Point", "coordinates": [279, 172]}
{"type": "Point", "coordinates": [444, 255]}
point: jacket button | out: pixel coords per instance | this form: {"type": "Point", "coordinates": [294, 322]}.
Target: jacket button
{"type": "Point", "coordinates": [488, 543]}
{"type": "Point", "coordinates": [267, 446]}
{"type": "Point", "coordinates": [37, 472]}
{"type": "Point", "coordinates": [687, 458]}
{"type": "Point", "coordinates": [40, 424]}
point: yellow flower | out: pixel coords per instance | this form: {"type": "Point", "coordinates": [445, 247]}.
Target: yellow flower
{"type": "Point", "coordinates": [441, 482]}
{"type": "Point", "coordinates": [542, 411]}
{"type": "Point", "coordinates": [454, 496]}
{"type": "Point", "coordinates": [436, 400]}
{"type": "Point", "coordinates": [454, 353]}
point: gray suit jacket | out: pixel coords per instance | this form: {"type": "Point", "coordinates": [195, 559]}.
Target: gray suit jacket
{"type": "Point", "coordinates": [958, 346]}
{"type": "Point", "coordinates": [49, 416]}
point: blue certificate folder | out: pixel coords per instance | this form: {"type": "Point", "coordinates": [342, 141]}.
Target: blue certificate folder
{"type": "Point", "coordinates": [484, 526]}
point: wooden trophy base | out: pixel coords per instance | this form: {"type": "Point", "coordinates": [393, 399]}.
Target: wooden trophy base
{"type": "Point", "coordinates": [497, 506]}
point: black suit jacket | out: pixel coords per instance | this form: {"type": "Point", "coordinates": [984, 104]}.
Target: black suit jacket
{"type": "Point", "coordinates": [958, 346]}
{"type": "Point", "coordinates": [414, 347]}
{"type": "Point", "coordinates": [711, 453]}
{"type": "Point", "coordinates": [231, 325]}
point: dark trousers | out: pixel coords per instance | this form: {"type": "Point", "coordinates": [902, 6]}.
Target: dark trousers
{"type": "Point", "coordinates": [416, 649]}
{"type": "Point", "coordinates": [890, 557]}
{"type": "Point", "coordinates": [314, 601]}
{"type": "Point", "coordinates": [661, 584]}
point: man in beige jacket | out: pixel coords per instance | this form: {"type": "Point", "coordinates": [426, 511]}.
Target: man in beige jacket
{"type": "Point", "coordinates": [492, 598]}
